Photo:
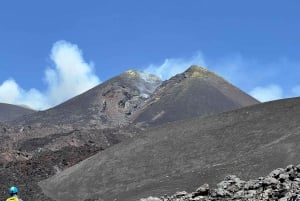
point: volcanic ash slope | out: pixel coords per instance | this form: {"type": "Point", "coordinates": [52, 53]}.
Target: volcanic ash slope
{"type": "Point", "coordinates": [249, 142]}
{"type": "Point", "coordinates": [195, 92]}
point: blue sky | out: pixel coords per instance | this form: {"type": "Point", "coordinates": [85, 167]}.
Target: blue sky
{"type": "Point", "coordinates": [53, 50]}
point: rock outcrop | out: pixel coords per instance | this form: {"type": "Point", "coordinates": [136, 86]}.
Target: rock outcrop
{"type": "Point", "coordinates": [281, 184]}
{"type": "Point", "coordinates": [108, 105]}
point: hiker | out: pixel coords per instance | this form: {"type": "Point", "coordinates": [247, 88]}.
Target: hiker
{"type": "Point", "coordinates": [13, 191]}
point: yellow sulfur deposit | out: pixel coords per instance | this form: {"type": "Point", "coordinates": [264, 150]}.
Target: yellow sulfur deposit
{"type": "Point", "coordinates": [132, 72]}
{"type": "Point", "coordinates": [197, 71]}
{"type": "Point", "coordinates": [196, 74]}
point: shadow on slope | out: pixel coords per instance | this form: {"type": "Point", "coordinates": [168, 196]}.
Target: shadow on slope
{"type": "Point", "coordinates": [248, 142]}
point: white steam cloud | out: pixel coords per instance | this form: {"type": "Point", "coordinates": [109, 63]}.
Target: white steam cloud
{"type": "Point", "coordinates": [173, 66]}
{"type": "Point", "coordinates": [69, 76]}
{"type": "Point", "coordinates": [267, 93]}
{"type": "Point", "coordinates": [254, 77]}
{"type": "Point", "coordinates": [9, 91]}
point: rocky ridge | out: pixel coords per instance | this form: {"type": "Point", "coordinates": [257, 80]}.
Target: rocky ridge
{"type": "Point", "coordinates": [282, 184]}
{"type": "Point", "coordinates": [108, 105]}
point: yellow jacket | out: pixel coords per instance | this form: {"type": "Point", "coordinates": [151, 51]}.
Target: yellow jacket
{"type": "Point", "coordinates": [14, 198]}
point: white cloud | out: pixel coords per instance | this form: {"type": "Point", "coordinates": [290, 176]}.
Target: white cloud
{"type": "Point", "coordinates": [236, 69]}
{"type": "Point", "coordinates": [173, 66]}
{"type": "Point", "coordinates": [9, 91]}
{"type": "Point", "coordinates": [34, 99]}
{"type": "Point", "coordinates": [296, 90]}
{"type": "Point", "coordinates": [267, 93]}
{"type": "Point", "coordinates": [69, 76]}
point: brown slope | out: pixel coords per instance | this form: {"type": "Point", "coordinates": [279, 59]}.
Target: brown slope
{"type": "Point", "coordinates": [248, 142]}
{"type": "Point", "coordinates": [9, 112]}
{"type": "Point", "coordinates": [196, 92]}
{"type": "Point", "coordinates": [109, 104]}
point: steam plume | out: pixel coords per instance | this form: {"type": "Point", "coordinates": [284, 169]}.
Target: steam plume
{"type": "Point", "coordinates": [69, 76]}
